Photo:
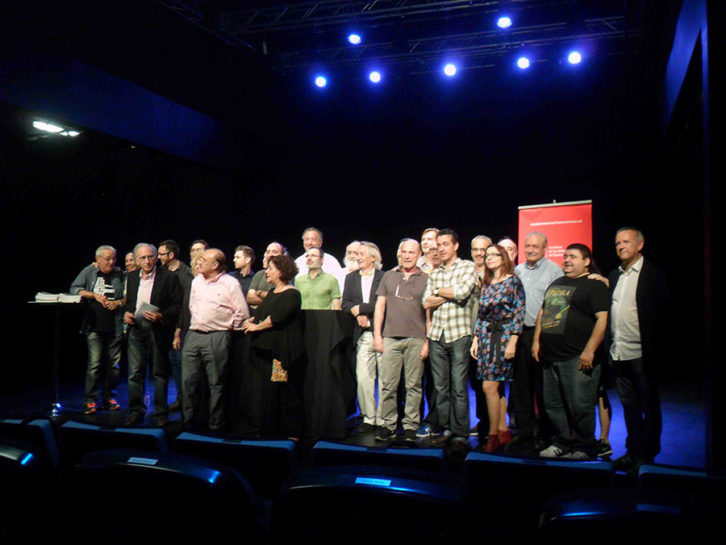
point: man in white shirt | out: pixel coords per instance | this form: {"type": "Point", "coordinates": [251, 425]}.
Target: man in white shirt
{"type": "Point", "coordinates": [639, 329]}
{"type": "Point", "coordinates": [312, 237]}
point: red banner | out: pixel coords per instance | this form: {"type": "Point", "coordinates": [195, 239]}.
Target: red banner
{"type": "Point", "coordinates": [562, 223]}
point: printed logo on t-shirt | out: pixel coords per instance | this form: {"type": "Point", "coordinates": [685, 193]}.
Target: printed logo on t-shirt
{"type": "Point", "coordinates": [103, 286]}
{"type": "Point", "coordinates": [556, 306]}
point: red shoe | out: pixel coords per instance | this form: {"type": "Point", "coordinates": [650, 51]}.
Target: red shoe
{"type": "Point", "coordinates": [492, 443]}
{"type": "Point", "coordinates": [505, 436]}
{"type": "Point", "coordinates": [90, 408]}
{"type": "Point", "coordinates": [112, 405]}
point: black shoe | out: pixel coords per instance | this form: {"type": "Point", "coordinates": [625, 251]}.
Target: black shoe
{"type": "Point", "coordinates": [410, 436]}
{"type": "Point", "coordinates": [365, 428]}
{"type": "Point", "coordinates": [441, 439]}
{"type": "Point", "coordinates": [134, 418]}
{"type": "Point", "coordinates": [384, 434]}
{"type": "Point", "coordinates": [603, 448]}
{"type": "Point", "coordinates": [176, 406]}
{"type": "Point", "coordinates": [626, 463]}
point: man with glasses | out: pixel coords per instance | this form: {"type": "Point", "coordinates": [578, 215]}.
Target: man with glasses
{"type": "Point", "coordinates": [451, 292]}
{"type": "Point", "coordinates": [399, 333]}
{"type": "Point", "coordinates": [217, 307]}
{"type": "Point", "coordinates": [169, 257]}
{"type": "Point", "coordinates": [536, 274]}
{"type": "Point", "coordinates": [102, 284]}
{"type": "Point", "coordinates": [153, 300]}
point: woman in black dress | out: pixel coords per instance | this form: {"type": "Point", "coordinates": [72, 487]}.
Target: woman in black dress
{"type": "Point", "coordinates": [278, 350]}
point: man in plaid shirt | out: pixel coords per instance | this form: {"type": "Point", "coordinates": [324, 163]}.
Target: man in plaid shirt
{"type": "Point", "coordinates": [451, 292]}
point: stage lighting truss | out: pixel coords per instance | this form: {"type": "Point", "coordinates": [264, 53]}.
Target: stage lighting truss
{"type": "Point", "coordinates": [415, 35]}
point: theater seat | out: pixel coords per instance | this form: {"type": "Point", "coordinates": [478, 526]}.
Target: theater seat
{"type": "Point", "coordinates": [40, 433]}
{"type": "Point", "coordinates": [265, 464]}
{"type": "Point", "coordinates": [507, 493]}
{"type": "Point", "coordinates": [620, 516]}
{"type": "Point", "coordinates": [366, 504]}
{"type": "Point", "coordinates": [326, 453]}
{"type": "Point", "coordinates": [78, 438]}
{"type": "Point", "coordinates": [127, 496]}
{"type": "Point", "coordinates": [28, 489]}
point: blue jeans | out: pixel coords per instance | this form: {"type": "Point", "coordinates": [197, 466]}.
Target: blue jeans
{"type": "Point", "coordinates": [450, 368]}
{"type": "Point", "coordinates": [141, 343]}
{"type": "Point", "coordinates": [104, 355]}
{"type": "Point", "coordinates": [570, 396]}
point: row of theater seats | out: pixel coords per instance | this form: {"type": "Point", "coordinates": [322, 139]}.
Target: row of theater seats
{"type": "Point", "coordinates": [84, 483]}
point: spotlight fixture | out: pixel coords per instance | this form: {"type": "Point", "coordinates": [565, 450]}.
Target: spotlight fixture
{"type": "Point", "coordinates": [375, 76]}
{"type": "Point", "coordinates": [52, 128]}
{"type": "Point", "coordinates": [320, 81]}
{"type": "Point", "coordinates": [354, 38]}
{"type": "Point", "coordinates": [450, 70]}
{"type": "Point", "coordinates": [523, 63]}
{"type": "Point", "coordinates": [504, 22]}
{"type": "Point", "coordinates": [574, 57]}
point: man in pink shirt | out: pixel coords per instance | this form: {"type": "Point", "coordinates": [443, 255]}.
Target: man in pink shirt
{"type": "Point", "coordinates": [217, 306]}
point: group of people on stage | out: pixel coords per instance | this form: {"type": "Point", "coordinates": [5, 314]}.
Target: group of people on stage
{"type": "Point", "coordinates": [423, 328]}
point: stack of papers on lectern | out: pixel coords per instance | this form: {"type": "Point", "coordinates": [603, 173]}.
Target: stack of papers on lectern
{"type": "Point", "coordinates": [45, 297]}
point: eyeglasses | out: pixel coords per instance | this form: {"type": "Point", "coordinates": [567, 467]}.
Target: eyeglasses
{"type": "Point", "coordinates": [404, 297]}
{"type": "Point", "coordinates": [164, 253]}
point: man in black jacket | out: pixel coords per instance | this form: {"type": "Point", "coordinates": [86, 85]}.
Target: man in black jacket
{"type": "Point", "coordinates": [638, 322]}
{"type": "Point", "coordinates": [359, 298]}
{"type": "Point", "coordinates": [153, 299]}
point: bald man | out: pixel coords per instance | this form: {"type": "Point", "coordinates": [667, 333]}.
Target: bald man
{"type": "Point", "coordinates": [217, 307]}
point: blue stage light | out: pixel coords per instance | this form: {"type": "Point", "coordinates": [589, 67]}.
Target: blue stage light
{"type": "Point", "coordinates": [321, 81]}
{"type": "Point", "coordinates": [574, 57]}
{"type": "Point", "coordinates": [354, 39]}
{"type": "Point", "coordinates": [375, 76]}
{"type": "Point", "coordinates": [523, 63]}
{"type": "Point", "coordinates": [504, 22]}
{"type": "Point", "coordinates": [450, 69]}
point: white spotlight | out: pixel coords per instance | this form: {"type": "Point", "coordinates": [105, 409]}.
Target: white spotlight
{"type": "Point", "coordinates": [375, 76]}
{"type": "Point", "coordinates": [504, 22]}
{"type": "Point", "coordinates": [523, 63]}
{"type": "Point", "coordinates": [47, 127]}
{"type": "Point", "coordinates": [450, 69]}
{"type": "Point", "coordinates": [574, 57]}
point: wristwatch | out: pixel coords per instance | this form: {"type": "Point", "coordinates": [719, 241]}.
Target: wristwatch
{"type": "Point", "coordinates": [436, 292]}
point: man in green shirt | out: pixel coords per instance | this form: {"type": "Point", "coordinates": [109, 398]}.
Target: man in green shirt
{"type": "Point", "coordinates": [319, 290]}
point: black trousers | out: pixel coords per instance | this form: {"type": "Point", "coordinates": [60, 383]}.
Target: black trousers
{"type": "Point", "coordinates": [527, 390]}
{"type": "Point", "coordinates": [639, 396]}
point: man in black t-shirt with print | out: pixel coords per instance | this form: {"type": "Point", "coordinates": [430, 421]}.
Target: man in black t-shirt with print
{"type": "Point", "coordinates": [102, 285]}
{"type": "Point", "coordinates": [570, 327]}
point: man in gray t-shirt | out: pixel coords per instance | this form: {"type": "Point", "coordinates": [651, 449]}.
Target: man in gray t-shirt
{"type": "Point", "coordinates": [399, 332]}
{"type": "Point", "coordinates": [259, 285]}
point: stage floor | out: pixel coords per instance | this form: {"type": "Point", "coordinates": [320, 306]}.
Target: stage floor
{"type": "Point", "coordinates": [683, 439]}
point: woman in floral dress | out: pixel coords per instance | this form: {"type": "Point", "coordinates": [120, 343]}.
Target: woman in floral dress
{"type": "Point", "coordinates": [498, 326]}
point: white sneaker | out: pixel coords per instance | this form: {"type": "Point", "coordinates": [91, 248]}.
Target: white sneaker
{"type": "Point", "coordinates": [553, 451]}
